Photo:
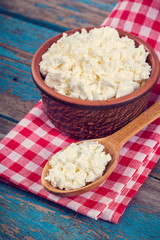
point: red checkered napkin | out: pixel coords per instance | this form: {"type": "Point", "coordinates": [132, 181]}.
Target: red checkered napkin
{"type": "Point", "coordinates": [25, 150]}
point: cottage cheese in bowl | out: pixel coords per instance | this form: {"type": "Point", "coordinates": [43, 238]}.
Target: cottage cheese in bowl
{"type": "Point", "coordinates": [95, 65]}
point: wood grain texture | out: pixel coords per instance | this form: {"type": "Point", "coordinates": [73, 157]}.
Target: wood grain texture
{"type": "Point", "coordinates": [6, 125]}
{"type": "Point", "coordinates": [16, 111]}
{"type": "Point", "coordinates": [156, 171]}
{"type": "Point", "coordinates": [19, 42]}
{"type": "Point", "coordinates": [66, 14]}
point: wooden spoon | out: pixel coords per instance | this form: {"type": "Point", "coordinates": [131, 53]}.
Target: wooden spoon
{"type": "Point", "coordinates": [112, 144]}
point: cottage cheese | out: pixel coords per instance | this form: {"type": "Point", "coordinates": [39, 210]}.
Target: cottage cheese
{"type": "Point", "coordinates": [98, 65]}
{"type": "Point", "coordinates": [77, 165]}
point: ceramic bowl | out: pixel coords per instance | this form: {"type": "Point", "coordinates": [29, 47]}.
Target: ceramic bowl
{"type": "Point", "coordinates": [84, 119]}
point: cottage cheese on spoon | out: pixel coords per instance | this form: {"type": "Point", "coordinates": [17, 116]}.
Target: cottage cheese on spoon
{"type": "Point", "coordinates": [98, 65]}
{"type": "Point", "coordinates": [77, 165]}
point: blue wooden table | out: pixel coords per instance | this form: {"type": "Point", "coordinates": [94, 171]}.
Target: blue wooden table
{"type": "Point", "coordinates": [24, 26]}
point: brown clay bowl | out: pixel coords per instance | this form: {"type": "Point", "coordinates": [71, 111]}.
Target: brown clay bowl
{"type": "Point", "coordinates": [84, 119]}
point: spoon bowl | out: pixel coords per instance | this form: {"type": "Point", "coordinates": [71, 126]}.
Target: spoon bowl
{"type": "Point", "coordinates": [112, 144]}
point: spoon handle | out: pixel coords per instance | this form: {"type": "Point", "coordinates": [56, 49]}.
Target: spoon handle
{"type": "Point", "coordinates": [124, 134]}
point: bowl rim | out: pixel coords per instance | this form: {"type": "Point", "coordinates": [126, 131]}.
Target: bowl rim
{"type": "Point", "coordinates": [110, 102]}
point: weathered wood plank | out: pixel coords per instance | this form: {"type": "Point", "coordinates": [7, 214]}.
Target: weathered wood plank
{"type": "Point", "coordinates": [148, 196]}
{"type": "Point", "coordinates": [22, 37]}
{"type": "Point", "coordinates": [39, 218]}
{"type": "Point", "coordinates": [70, 14]}
{"type": "Point", "coordinates": [19, 41]}
{"type": "Point", "coordinates": [13, 108]}
{"type": "Point", "coordinates": [5, 126]}
{"type": "Point", "coordinates": [156, 171]}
